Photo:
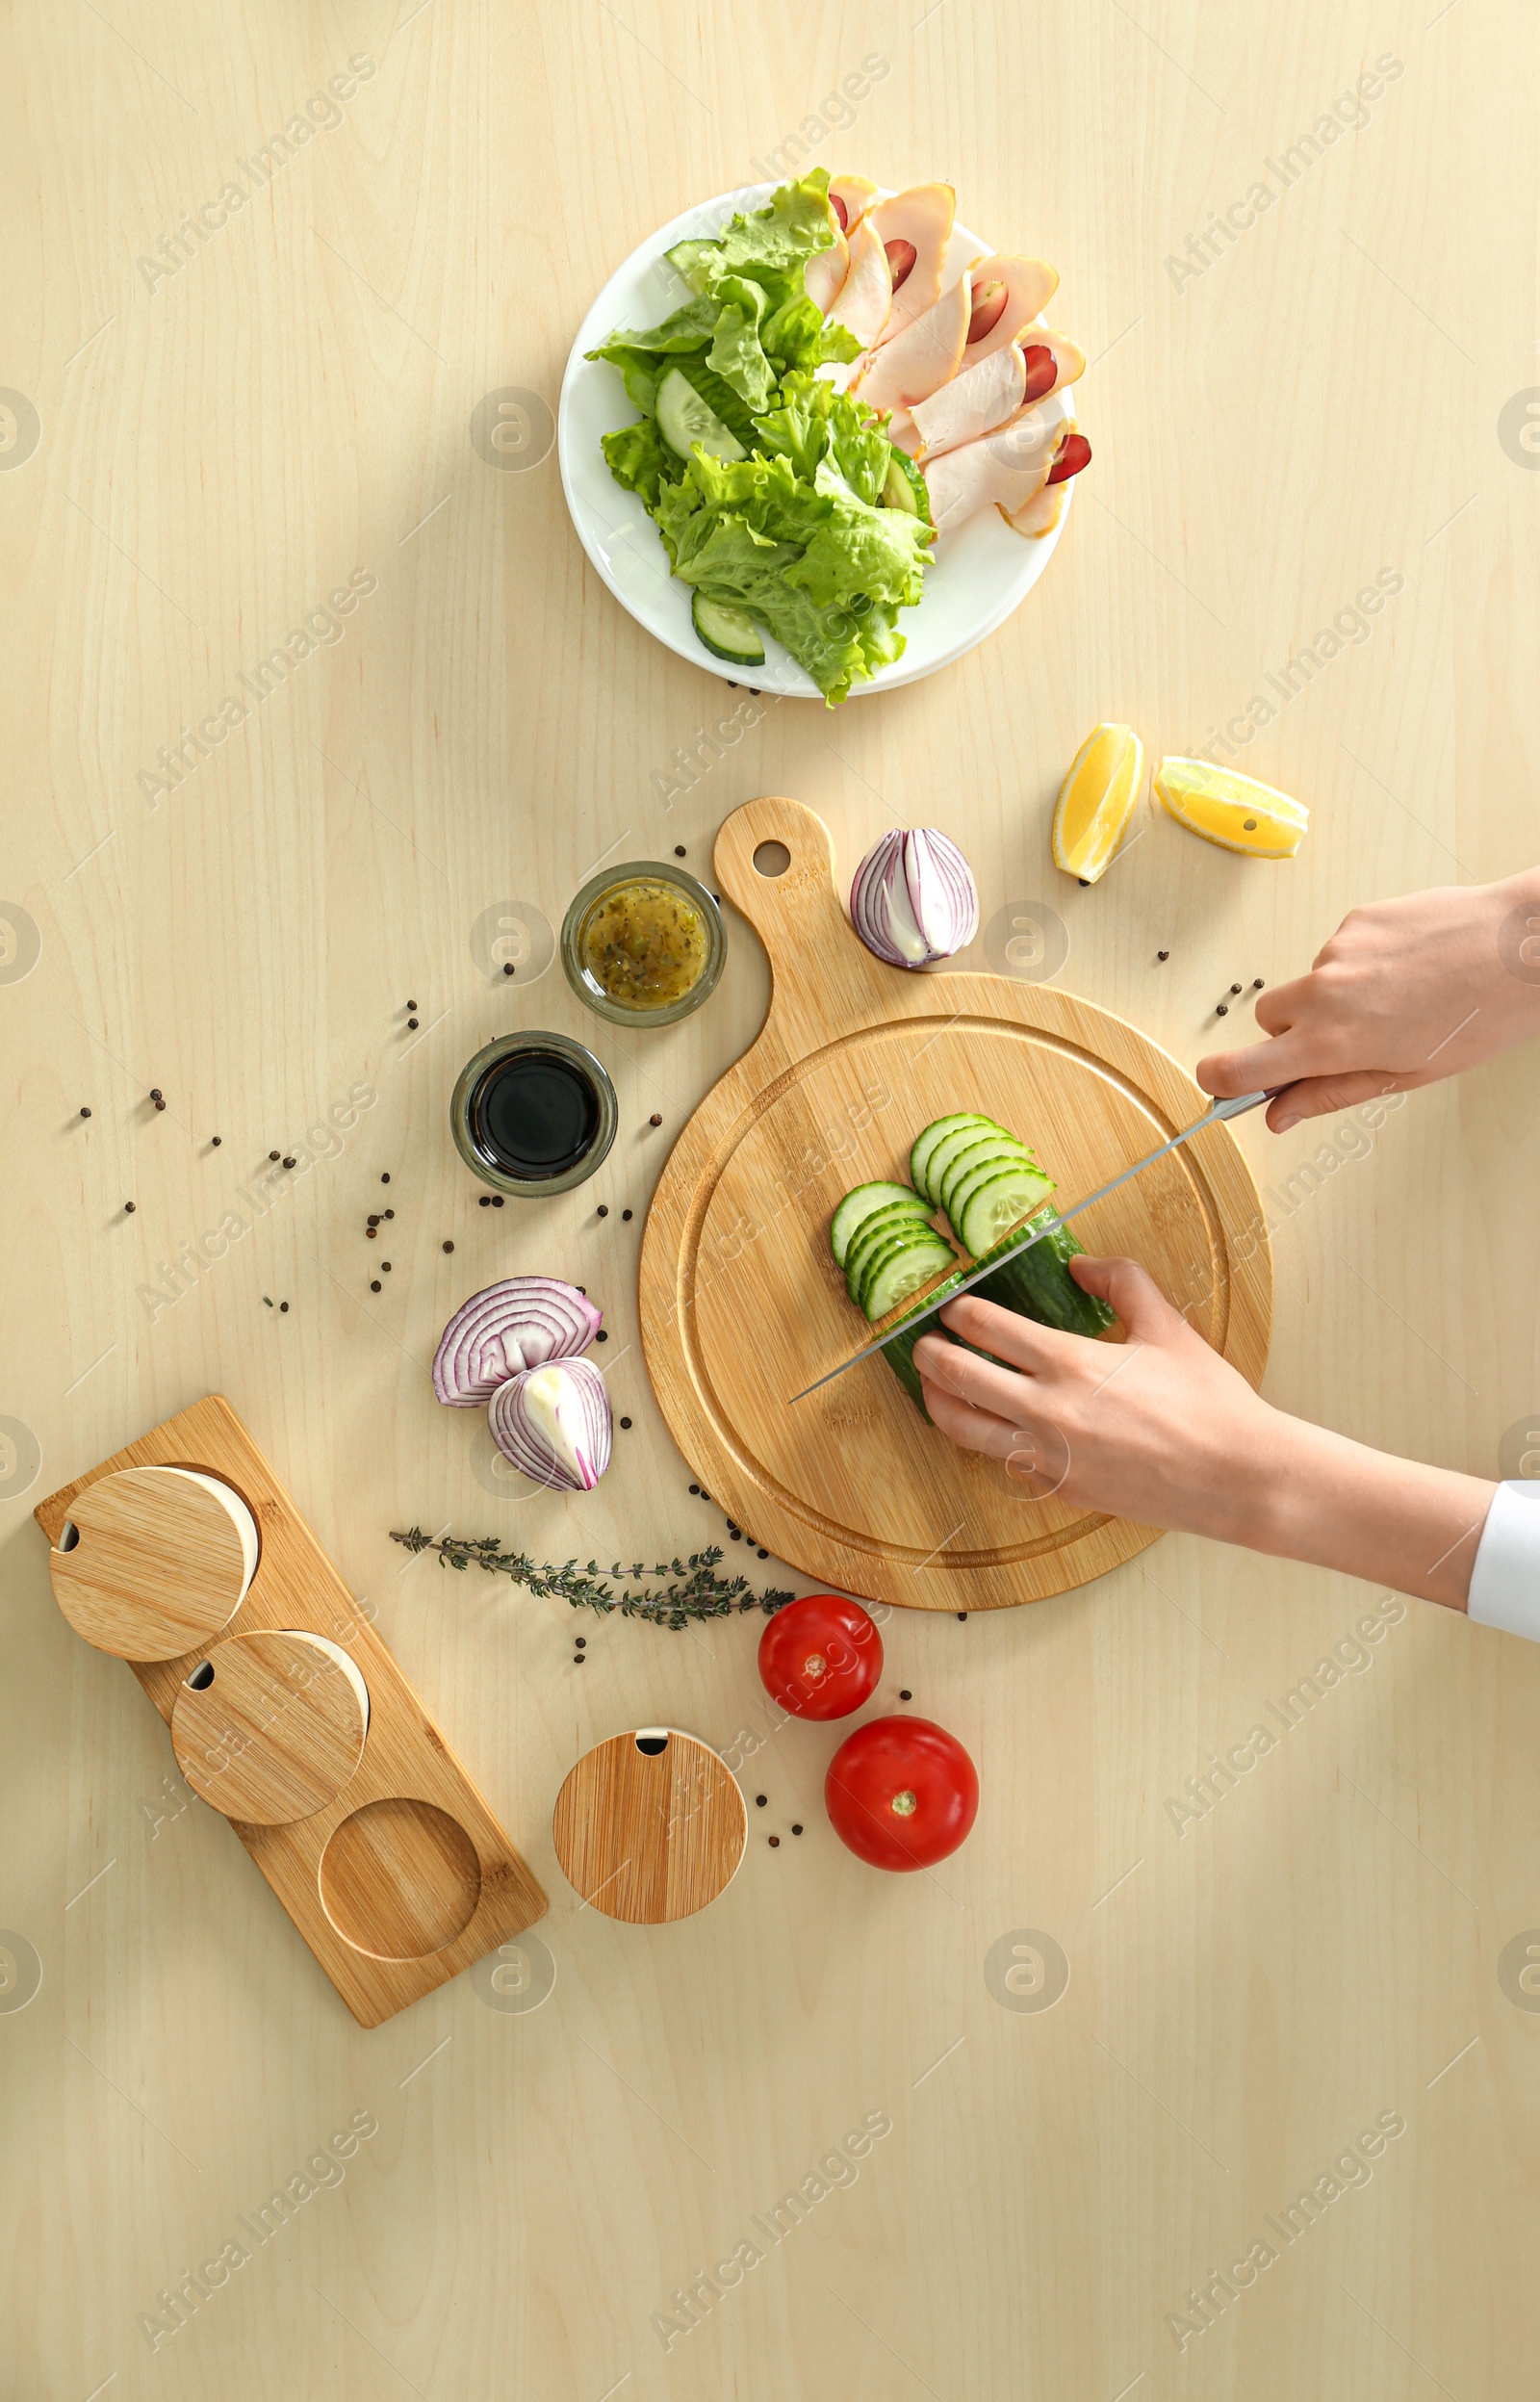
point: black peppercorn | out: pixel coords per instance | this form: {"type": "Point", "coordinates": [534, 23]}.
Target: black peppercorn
{"type": "Point", "coordinates": [411, 1025]}
{"type": "Point", "coordinates": [85, 1113]}
{"type": "Point", "coordinates": [695, 1488]}
{"type": "Point", "coordinates": [679, 851]}
{"type": "Point", "coordinates": [1257, 983]}
{"type": "Point", "coordinates": [374, 1284]}
{"type": "Point", "coordinates": [496, 1202]}
{"type": "Point", "coordinates": [775, 1843]}
{"type": "Point", "coordinates": [129, 1208]}
{"type": "Point", "coordinates": [625, 1214]}
{"type": "Point", "coordinates": [759, 1800]}
{"type": "Point", "coordinates": [906, 1694]}
{"type": "Point", "coordinates": [272, 1154]}
{"type": "Point", "coordinates": [1162, 954]}
{"type": "Point", "coordinates": [577, 1659]}
{"type": "Point", "coordinates": [763, 1554]}
{"type": "Point", "coordinates": [389, 1213]}
{"type": "Point", "coordinates": [736, 1535]}
{"type": "Point", "coordinates": [625, 1421]}
{"type": "Point", "coordinates": [371, 1233]}
{"type": "Point", "coordinates": [449, 1246]}
{"type": "Point", "coordinates": [485, 1200]}
{"type": "Point", "coordinates": [282, 1307]}
{"type": "Point", "coordinates": [604, 1210]}
{"type": "Point", "coordinates": [508, 966]}
{"type": "Point", "coordinates": [582, 1642]}
{"type": "Point", "coordinates": [601, 1336]}
{"type": "Point", "coordinates": [796, 1830]}
{"type": "Point", "coordinates": [215, 1140]}
{"type": "Point", "coordinates": [385, 1267]}
{"type": "Point", "coordinates": [655, 1120]}
{"type": "Point", "coordinates": [1223, 1010]}
{"type": "Point", "coordinates": [385, 1179]}
{"type": "Point", "coordinates": [962, 1613]}
{"type": "Point", "coordinates": [289, 1163]}
{"type": "Point", "coordinates": [374, 1218]}
{"type": "Point", "coordinates": [160, 1104]}
{"type": "Point", "coordinates": [1235, 987]}
{"type": "Point", "coordinates": [411, 1004]}
{"type": "Point", "coordinates": [156, 1094]}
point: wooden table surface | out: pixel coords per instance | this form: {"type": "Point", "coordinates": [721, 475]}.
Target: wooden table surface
{"type": "Point", "coordinates": [192, 462]}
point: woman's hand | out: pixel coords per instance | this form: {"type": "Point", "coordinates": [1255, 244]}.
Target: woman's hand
{"type": "Point", "coordinates": [1405, 992]}
{"type": "Point", "coordinates": [1161, 1430]}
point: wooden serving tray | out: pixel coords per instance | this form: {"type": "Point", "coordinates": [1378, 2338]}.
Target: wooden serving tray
{"type": "Point", "coordinates": [741, 1303]}
{"type": "Point", "coordinates": [404, 1878]}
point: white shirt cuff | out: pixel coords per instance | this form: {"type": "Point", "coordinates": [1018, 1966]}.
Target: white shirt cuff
{"type": "Point", "coordinates": [1506, 1580]}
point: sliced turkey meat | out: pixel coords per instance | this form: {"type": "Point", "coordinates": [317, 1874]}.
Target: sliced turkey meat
{"type": "Point", "coordinates": [913, 227]}
{"type": "Point", "coordinates": [922, 358]}
{"type": "Point", "coordinates": [865, 297]}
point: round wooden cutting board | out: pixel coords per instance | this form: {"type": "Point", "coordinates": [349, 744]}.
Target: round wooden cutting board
{"type": "Point", "coordinates": [741, 1302]}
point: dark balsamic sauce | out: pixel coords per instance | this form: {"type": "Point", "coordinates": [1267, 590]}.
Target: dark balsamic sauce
{"type": "Point", "coordinates": [534, 1114]}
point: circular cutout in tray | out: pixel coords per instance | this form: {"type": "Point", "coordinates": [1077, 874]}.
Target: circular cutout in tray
{"type": "Point", "coordinates": [399, 1880]}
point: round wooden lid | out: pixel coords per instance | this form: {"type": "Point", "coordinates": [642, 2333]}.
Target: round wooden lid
{"type": "Point", "coordinates": [271, 1727]}
{"type": "Point", "coordinates": [153, 1562]}
{"type": "Point", "coordinates": [650, 1827]}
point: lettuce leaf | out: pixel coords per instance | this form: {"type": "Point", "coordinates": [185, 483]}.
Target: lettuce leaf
{"type": "Point", "coordinates": [736, 353]}
{"type": "Point", "coordinates": [640, 461]}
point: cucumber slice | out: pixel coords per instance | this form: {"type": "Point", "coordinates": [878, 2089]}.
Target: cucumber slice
{"type": "Point", "coordinates": [926, 1141]}
{"type": "Point", "coordinates": [899, 1270]}
{"type": "Point", "coordinates": [728, 632]}
{"type": "Point", "coordinates": [963, 1138]}
{"type": "Point", "coordinates": [994, 1207]}
{"type": "Point", "coordinates": [684, 419]}
{"type": "Point", "coordinates": [986, 1156]}
{"type": "Point", "coordinates": [859, 1203]}
{"type": "Point", "coordinates": [965, 1184]}
{"type": "Point", "coordinates": [904, 487]}
{"type": "Point", "coordinates": [877, 1232]}
{"type": "Point", "coordinates": [691, 260]}
{"type": "Point", "coordinates": [915, 1237]}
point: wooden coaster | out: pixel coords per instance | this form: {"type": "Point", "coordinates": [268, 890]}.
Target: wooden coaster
{"type": "Point", "coordinates": [161, 1561]}
{"type": "Point", "coordinates": [650, 1827]}
{"type": "Point", "coordinates": [271, 1727]}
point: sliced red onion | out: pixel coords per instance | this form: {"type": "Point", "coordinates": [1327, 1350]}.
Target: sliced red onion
{"type": "Point", "coordinates": [554, 1423]}
{"type": "Point", "coordinates": [913, 899]}
{"type": "Point", "coordinates": [498, 1333]}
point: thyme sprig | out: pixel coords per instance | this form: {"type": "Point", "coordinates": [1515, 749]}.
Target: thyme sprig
{"type": "Point", "coordinates": [696, 1593]}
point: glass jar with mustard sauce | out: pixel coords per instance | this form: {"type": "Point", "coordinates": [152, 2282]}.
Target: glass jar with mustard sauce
{"type": "Point", "coordinates": [644, 945]}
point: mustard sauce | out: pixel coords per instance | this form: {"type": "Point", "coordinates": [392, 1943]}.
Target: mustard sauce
{"type": "Point", "coordinates": [645, 944]}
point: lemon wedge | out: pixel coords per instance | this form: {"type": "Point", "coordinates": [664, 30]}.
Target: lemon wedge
{"type": "Point", "coordinates": [1234, 810]}
{"type": "Point", "coordinates": [1096, 800]}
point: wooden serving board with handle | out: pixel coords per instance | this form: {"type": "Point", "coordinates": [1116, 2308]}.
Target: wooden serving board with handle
{"type": "Point", "coordinates": [397, 1874]}
{"type": "Point", "coordinates": [741, 1302]}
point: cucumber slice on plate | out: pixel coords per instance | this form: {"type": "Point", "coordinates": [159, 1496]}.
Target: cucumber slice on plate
{"type": "Point", "coordinates": [997, 1205]}
{"type": "Point", "coordinates": [690, 260]}
{"type": "Point", "coordinates": [900, 1270]}
{"type": "Point", "coordinates": [876, 1234]}
{"type": "Point", "coordinates": [728, 632]}
{"type": "Point", "coordinates": [904, 487]}
{"type": "Point", "coordinates": [861, 1202]}
{"type": "Point", "coordinates": [926, 1140]}
{"type": "Point", "coordinates": [978, 1158]}
{"type": "Point", "coordinates": [684, 419]}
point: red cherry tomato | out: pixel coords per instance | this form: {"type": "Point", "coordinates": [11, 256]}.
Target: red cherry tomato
{"type": "Point", "coordinates": [820, 1656]}
{"type": "Point", "coordinates": [901, 1793]}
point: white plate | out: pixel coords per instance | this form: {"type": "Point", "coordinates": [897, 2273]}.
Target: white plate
{"type": "Point", "coordinates": [982, 572]}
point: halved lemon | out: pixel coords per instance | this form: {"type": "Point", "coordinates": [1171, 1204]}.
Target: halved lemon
{"type": "Point", "coordinates": [1236, 811]}
{"type": "Point", "coordinates": [1096, 800]}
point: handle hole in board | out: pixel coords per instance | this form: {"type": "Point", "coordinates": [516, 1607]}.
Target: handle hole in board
{"type": "Point", "coordinates": [68, 1536]}
{"type": "Point", "coordinates": [772, 859]}
{"type": "Point", "coordinates": [653, 1740]}
{"type": "Point", "coordinates": [202, 1676]}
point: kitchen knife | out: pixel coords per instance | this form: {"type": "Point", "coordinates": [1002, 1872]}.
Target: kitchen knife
{"type": "Point", "coordinates": [1221, 1110]}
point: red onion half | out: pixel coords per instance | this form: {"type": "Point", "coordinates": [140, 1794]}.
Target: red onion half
{"type": "Point", "coordinates": [913, 899]}
{"type": "Point", "coordinates": [554, 1423]}
{"type": "Point", "coordinates": [498, 1333]}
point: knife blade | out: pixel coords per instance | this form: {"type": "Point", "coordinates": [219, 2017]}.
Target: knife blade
{"type": "Point", "coordinates": [1215, 1116]}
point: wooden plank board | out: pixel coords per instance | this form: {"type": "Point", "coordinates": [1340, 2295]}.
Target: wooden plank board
{"type": "Point", "coordinates": [741, 1302]}
{"type": "Point", "coordinates": [420, 1880]}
